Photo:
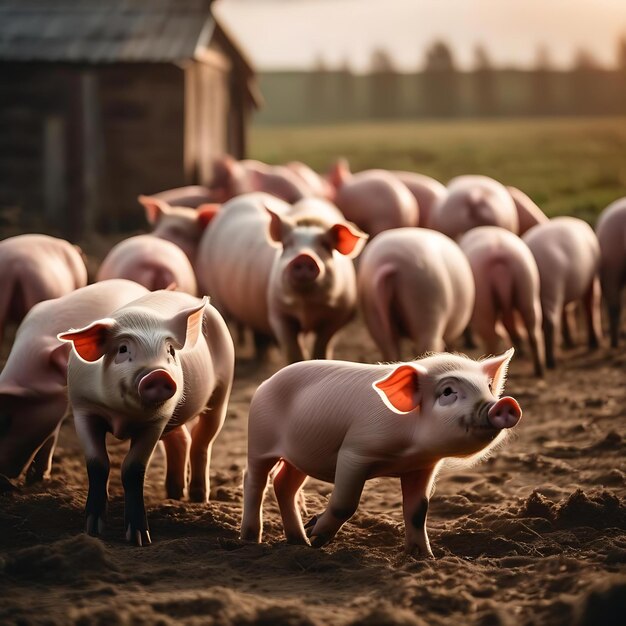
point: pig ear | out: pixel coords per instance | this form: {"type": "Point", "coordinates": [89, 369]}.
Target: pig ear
{"type": "Point", "coordinates": [89, 343]}
{"type": "Point", "coordinates": [206, 212]}
{"type": "Point", "coordinates": [339, 173]}
{"type": "Point", "coordinates": [279, 227]}
{"type": "Point", "coordinates": [347, 239]}
{"type": "Point", "coordinates": [400, 390]}
{"type": "Point", "coordinates": [186, 326]}
{"type": "Point", "coordinates": [155, 208]}
{"type": "Point", "coordinates": [496, 368]}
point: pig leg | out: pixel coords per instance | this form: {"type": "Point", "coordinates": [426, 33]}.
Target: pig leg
{"type": "Point", "coordinates": [287, 483]}
{"type": "Point", "coordinates": [568, 325]}
{"type": "Point", "coordinates": [592, 314]}
{"type": "Point", "coordinates": [510, 325]}
{"type": "Point", "coordinates": [350, 476]}
{"type": "Point", "coordinates": [41, 465]}
{"type": "Point", "coordinates": [133, 473]}
{"type": "Point", "coordinates": [550, 333]}
{"type": "Point", "coordinates": [323, 344]}
{"type": "Point", "coordinates": [484, 322]}
{"type": "Point", "coordinates": [611, 289]}
{"type": "Point", "coordinates": [177, 443]}
{"type": "Point", "coordinates": [287, 332]}
{"type": "Point", "coordinates": [254, 485]}
{"type": "Point", "coordinates": [262, 345]}
{"type": "Point", "coordinates": [416, 488]}
{"type": "Point", "coordinates": [209, 424]}
{"type": "Point", "coordinates": [532, 315]}
{"type": "Point", "coordinates": [91, 431]}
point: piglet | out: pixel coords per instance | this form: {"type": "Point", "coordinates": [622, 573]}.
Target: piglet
{"type": "Point", "coordinates": [528, 213]}
{"type": "Point", "coordinates": [507, 283]}
{"type": "Point", "coordinates": [414, 282]}
{"type": "Point", "coordinates": [179, 224]}
{"type": "Point", "coordinates": [426, 190]}
{"type": "Point", "coordinates": [36, 268]}
{"type": "Point", "coordinates": [150, 261]}
{"type": "Point", "coordinates": [611, 231]}
{"type": "Point", "coordinates": [140, 374]}
{"type": "Point", "coordinates": [33, 383]}
{"type": "Point", "coordinates": [568, 256]}
{"type": "Point", "coordinates": [345, 423]}
{"type": "Point", "coordinates": [474, 201]}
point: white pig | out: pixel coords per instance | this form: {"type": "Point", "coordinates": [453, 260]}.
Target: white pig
{"type": "Point", "coordinates": [568, 256]}
{"type": "Point", "coordinates": [33, 383]}
{"type": "Point", "coordinates": [345, 423]}
{"type": "Point", "coordinates": [611, 231]}
{"type": "Point", "coordinates": [281, 276]}
{"type": "Point", "coordinates": [36, 268]}
{"type": "Point", "coordinates": [414, 282]}
{"type": "Point", "coordinates": [507, 282]}
{"type": "Point", "coordinates": [140, 374]}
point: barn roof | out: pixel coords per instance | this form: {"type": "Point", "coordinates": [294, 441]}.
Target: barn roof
{"type": "Point", "coordinates": [107, 31]}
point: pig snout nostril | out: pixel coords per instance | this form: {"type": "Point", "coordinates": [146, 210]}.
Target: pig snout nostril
{"type": "Point", "coordinates": [304, 268]}
{"type": "Point", "coordinates": [156, 387]}
{"type": "Point", "coordinates": [505, 413]}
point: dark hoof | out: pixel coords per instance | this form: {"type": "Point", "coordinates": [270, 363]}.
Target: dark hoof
{"type": "Point", "coordinates": [250, 536]}
{"type": "Point", "coordinates": [137, 537]}
{"type": "Point", "coordinates": [308, 527]}
{"type": "Point", "coordinates": [319, 541]}
{"type": "Point", "coordinates": [6, 486]}
{"type": "Point", "coordinates": [94, 525]}
{"type": "Point", "coordinates": [198, 495]}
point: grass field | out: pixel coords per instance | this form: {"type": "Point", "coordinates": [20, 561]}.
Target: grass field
{"type": "Point", "coordinates": [569, 166]}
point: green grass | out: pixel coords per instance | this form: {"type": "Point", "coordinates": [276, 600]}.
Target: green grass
{"type": "Point", "coordinates": [569, 166]}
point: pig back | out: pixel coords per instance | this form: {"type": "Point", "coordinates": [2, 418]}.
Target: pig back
{"type": "Point", "coordinates": [235, 259]}
{"type": "Point", "coordinates": [611, 232]}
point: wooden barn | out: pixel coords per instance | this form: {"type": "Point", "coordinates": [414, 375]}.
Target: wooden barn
{"type": "Point", "coordinates": [101, 100]}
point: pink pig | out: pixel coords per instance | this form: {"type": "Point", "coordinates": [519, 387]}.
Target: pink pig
{"type": "Point", "coordinates": [150, 261]}
{"type": "Point", "coordinates": [281, 276]}
{"type": "Point", "coordinates": [414, 282]}
{"type": "Point", "coordinates": [611, 231]}
{"type": "Point", "coordinates": [140, 374]}
{"type": "Point", "coordinates": [568, 256]}
{"type": "Point", "coordinates": [190, 196]}
{"type": "Point", "coordinates": [375, 200]}
{"type": "Point", "coordinates": [319, 187]}
{"type": "Point", "coordinates": [36, 268]}
{"type": "Point", "coordinates": [507, 281]}
{"type": "Point", "coordinates": [474, 201]}
{"type": "Point", "coordinates": [33, 392]}
{"type": "Point", "coordinates": [180, 225]}
{"type": "Point", "coordinates": [426, 190]}
{"type": "Point", "coordinates": [345, 423]}
{"type": "Point", "coordinates": [528, 213]}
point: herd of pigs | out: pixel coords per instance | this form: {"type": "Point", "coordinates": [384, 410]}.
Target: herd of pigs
{"type": "Point", "coordinates": [138, 354]}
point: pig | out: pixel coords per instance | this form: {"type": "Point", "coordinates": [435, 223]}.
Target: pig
{"type": "Point", "coordinates": [474, 201]}
{"type": "Point", "coordinates": [141, 373]}
{"type": "Point", "coordinates": [507, 282]}
{"type": "Point", "coordinates": [528, 213]}
{"type": "Point", "coordinates": [178, 224]}
{"type": "Point", "coordinates": [426, 190]}
{"type": "Point", "coordinates": [191, 196]}
{"type": "Point", "coordinates": [36, 268]}
{"type": "Point", "coordinates": [414, 282]}
{"type": "Point", "coordinates": [568, 257]}
{"type": "Point", "coordinates": [344, 423]}
{"type": "Point", "coordinates": [375, 200]}
{"type": "Point", "coordinates": [319, 187]}
{"type": "Point", "coordinates": [232, 178]}
{"type": "Point", "coordinates": [611, 232]}
{"type": "Point", "coordinates": [33, 389]}
{"type": "Point", "coordinates": [150, 261]}
{"type": "Point", "coordinates": [279, 275]}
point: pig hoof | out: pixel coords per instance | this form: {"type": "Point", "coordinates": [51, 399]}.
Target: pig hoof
{"type": "Point", "coordinates": [198, 495]}
{"type": "Point", "coordinates": [417, 553]}
{"type": "Point", "coordinates": [94, 525]}
{"type": "Point", "coordinates": [319, 541]}
{"type": "Point", "coordinates": [138, 537]}
{"type": "Point", "coordinates": [6, 486]}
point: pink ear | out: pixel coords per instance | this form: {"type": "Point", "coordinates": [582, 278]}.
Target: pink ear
{"type": "Point", "coordinates": [278, 227]}
{"type": "Point", "coordinates": [400, 391]}
{"type": "Point", "coordinates": [496, 368]}
{"type": "Point", "coordinates": [339, 173]}
{"type": "Point", "coordinates": [206, 212]}
{"type": "Point", "coordinates": [154, 207]}
{"type": "Point", "coordinates": [347, 239]}
{"type": "Point", "coordinates": [89, 342]}
{"type": "Point", "coordinates": [186, 325]}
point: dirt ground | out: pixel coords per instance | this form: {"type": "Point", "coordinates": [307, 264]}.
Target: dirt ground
{"type": "Point", "coordinates": [534, 535]}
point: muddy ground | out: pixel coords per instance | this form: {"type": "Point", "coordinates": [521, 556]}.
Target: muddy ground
{"type": "Point", "coordinates": [534, 535]}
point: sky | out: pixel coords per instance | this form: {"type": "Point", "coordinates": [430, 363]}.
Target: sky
{"type": "Point", "coordinates": [284, 34]}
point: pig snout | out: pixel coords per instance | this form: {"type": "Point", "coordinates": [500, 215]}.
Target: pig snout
{"type": "Point", "coordinates": [303, 270]}
{"type": "Point", "coordinates": [505, 413]}
{"type": "Point", "coordinates": [156, 387]}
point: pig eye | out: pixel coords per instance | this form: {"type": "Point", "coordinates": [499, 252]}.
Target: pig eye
{"type": "Point", "coordinates": [448, 396]}
{"type": "Point", "coordinates": [448, 391]}
{"type": "Point", "coordinates": [123, 349]}
{"type": "Point", "coordinates": [171, 351]}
